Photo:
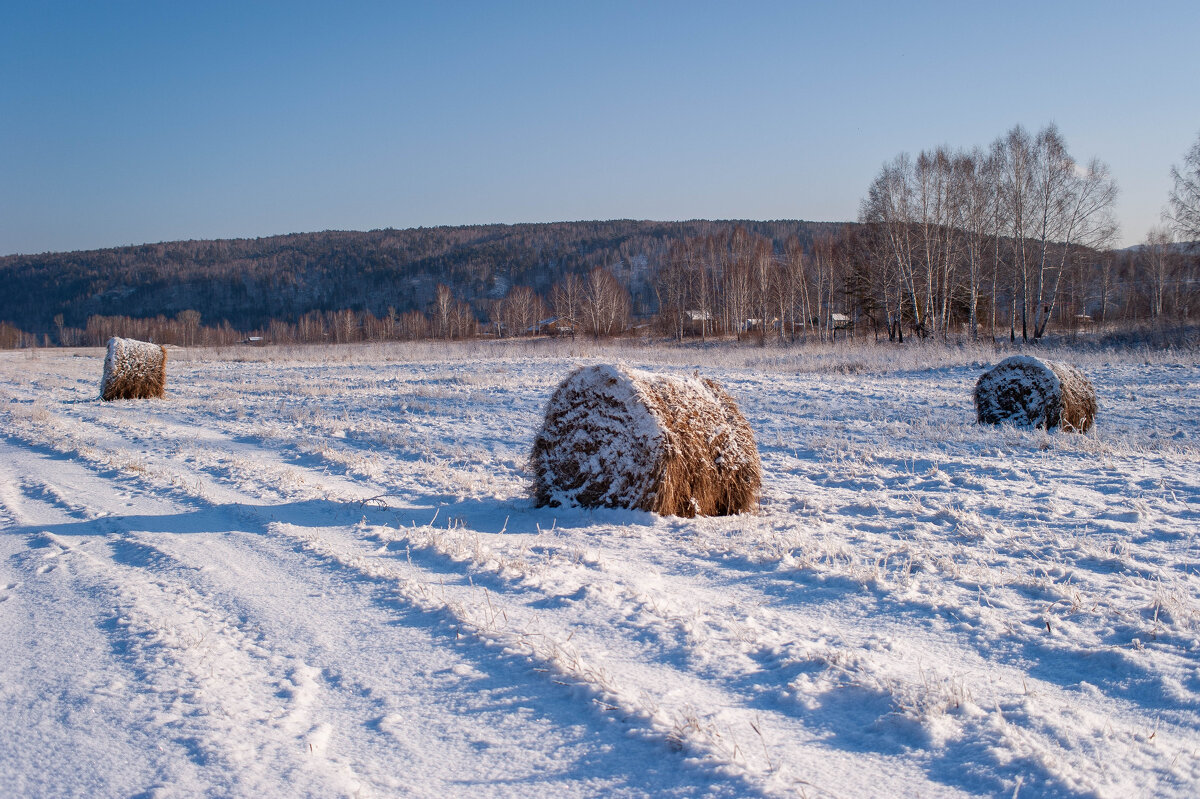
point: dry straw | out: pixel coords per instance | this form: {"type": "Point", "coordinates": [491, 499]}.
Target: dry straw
{"type": "Point", "coordinates": [133, 370]}
{"type": "Point", "coordinates": [1031, 392]}
{"type": "Point", "coordinates": [623, 438]}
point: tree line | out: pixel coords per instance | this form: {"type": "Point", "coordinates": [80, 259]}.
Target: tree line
{"type": "Point", "coordinates": [1009, 241]}
{"type": "Point", "coordinates": [252, 282]}
{"type": "Point", "coordinates": [595, 304]}
{"type": "Point", "coordinates": [992, 233]}
{"type": "Point", "coordinates": [1006, 241]}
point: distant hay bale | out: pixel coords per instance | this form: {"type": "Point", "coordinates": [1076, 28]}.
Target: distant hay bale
{"type": "Point", "coordinates": [1030, 392]}
{"type": "Point", "coordinates": [623, 438]}
{"type": "Point", "coordinates": [133, 370]}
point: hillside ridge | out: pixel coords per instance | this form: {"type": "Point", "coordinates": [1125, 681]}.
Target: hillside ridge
{"type": "Point", "coordinates": [251, 281]}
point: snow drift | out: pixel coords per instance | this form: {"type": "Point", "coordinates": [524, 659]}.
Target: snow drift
{"type": "Point", "coordinates": [133, 370]}
{"type": "Point", "coordinates": [623, 438]}
{"type": "Point", "coordinates": [1031, 392]}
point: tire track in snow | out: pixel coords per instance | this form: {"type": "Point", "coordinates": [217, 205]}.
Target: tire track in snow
{"type": "Point", "coordinates": [201, 675]}
{"type": "Point", "coordinates": [161, 618]}
{"type": "Point", "coordinates": [680, 729]}
{"type": "Point", "coordinates": [924, 520]}
{"type": "Point", "coordinates": [350, 678]}
{"type": "Point", "coordinates": [669, 702]}
{"type": "Point", "coordinates": [465, 609]}
{"type": "Point", "coordinates": [707, 732]}
{"type": "Point", "coordinates": [209, 674]}
{"type": "Point", "coordinates": [790, 656]}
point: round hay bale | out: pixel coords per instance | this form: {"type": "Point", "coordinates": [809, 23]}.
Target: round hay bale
{"type": "Point", "coordinates": [133, 370]}
{"type": "Point", "coordinates": [1031, 392]}
{"type": "Point", "coordinates": [623, 438]}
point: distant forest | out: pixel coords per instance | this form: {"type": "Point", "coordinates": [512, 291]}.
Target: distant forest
{"type": "Point", "coordinates": [1012, 240]}
{"type": "Point", "coordinates": [899, 273]}
{"type": "Point", "coordinates": [243, 285]}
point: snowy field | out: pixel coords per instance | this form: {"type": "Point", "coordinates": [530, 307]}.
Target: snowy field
{"type": "Point", "coordinates": [317, 572]}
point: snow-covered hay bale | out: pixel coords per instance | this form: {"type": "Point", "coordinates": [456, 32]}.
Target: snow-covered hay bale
{"type": "Point", "coordinates": [133, 370]}
{"type": "Point", "coordinates": [1030, 392]}
{"type": "Point", "coordinates": [623, 438]}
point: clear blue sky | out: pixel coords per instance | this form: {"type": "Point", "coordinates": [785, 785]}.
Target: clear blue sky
{"type": "Point", "coordinates": [123, 123]}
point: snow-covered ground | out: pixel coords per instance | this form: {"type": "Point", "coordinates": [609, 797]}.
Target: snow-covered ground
{"type": "Point", "coordinates": [317, 572]}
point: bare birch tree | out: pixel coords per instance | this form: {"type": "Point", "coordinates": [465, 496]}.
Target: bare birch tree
{"type": "Point", "coordinates": [1017, 177]}
{"type": "Point", "coordinates": [521, 310]}
{"type": "Point", "coordinates": [889, 205]}
{"type": "Point", "coordinates": [1157, 253]}
{"type": "Point", "coordinates": [1184, 208]}
{"type": "Point", "coordinates": [975, 182]}
{"type": "Point", "coordinates": [605, 304]}
{"type": "Point", "coordinates": [443, 312]}
{"type": "Point", "coordinates": [671, 286]}
{"type": "Point", "coordinates": [566, 299]}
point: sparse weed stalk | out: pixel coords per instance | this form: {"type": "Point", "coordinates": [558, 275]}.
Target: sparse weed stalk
{"type": "Point", "coordinates": [881, 496]}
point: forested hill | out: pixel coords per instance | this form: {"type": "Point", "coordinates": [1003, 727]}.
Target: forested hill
{"type": "Point", "coordinates": [250, 281]}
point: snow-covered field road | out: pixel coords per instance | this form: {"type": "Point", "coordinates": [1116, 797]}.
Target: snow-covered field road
{"type": "Point", "coordinates": [317, 572]}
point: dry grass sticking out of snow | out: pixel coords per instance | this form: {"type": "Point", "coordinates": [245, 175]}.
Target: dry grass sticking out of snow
{"type": "Point", "coordinates": [918, 604]}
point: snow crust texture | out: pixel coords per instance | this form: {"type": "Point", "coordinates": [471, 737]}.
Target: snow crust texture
{"type": "Point", "coordinates": [1030, 392]}
{"type": "Point", "coordinates": [133, 370]}
{"type": "Point", "coordinates": [617, 437]}
{"type": "Point", "coordinates": [319, 573]}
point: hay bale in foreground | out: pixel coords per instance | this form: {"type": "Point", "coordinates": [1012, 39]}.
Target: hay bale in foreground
{"type": "Point", "coordinates": [1030, 392]}
{"type": "Point", "coordinates": [623, 438]}
{"type": "Point", "coordinates": [133, 370]}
